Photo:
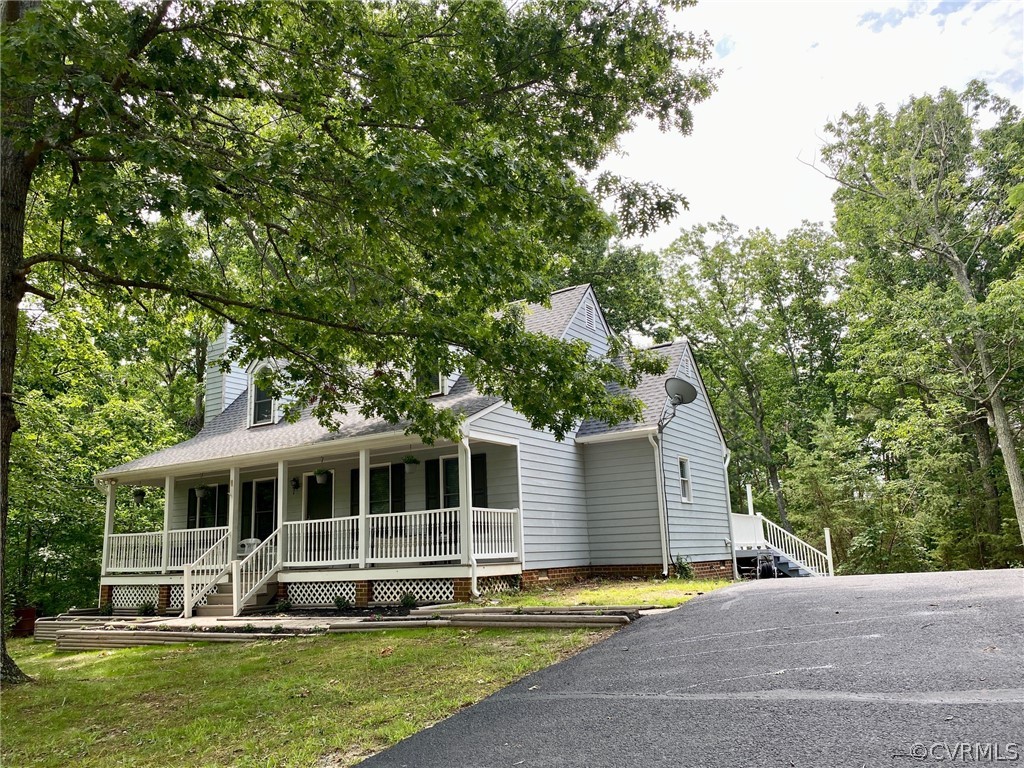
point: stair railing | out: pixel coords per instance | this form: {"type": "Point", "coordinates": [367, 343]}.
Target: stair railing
{"type": "Point", "coordinates": [249, 575]}
{"type": "Point", "coordinates": [796, 549]}
{"type": "Point", "coordinates": [201, 576]}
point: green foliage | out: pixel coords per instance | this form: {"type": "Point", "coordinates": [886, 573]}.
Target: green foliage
{"type": "Point", "coordinates": [283, 606]}
{"type": "Point", "coordinates": [342, 603]}
{"type": "Point", "coordinates": [408, 600]}
{"type": "Point", "coordinates": [683, 567]}
{"type": "Point", "coordinates": [146, 608]}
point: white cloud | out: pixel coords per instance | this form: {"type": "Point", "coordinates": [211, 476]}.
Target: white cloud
{"type": "Point", "coordinates": [787, 69]}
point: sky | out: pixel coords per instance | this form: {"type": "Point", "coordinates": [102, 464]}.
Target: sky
{"type": "Point", "coordinates": [787, 68]}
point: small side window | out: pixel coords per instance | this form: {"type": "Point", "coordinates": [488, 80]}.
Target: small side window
{"type": "Point", "coordinates": [685, 487]}
{"type": "Point", "coordinates": [430, 382]}
{"type": "Point", "coordinates": [262, 406]}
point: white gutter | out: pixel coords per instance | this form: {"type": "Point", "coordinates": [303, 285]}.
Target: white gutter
{"type": "Point", "coordinates": [662, 505]}
{"type": "Point", "coordinates": [727, 457]}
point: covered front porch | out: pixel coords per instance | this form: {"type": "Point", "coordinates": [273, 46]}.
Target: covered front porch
{"type": "Point", "coordinates": [378, 511]}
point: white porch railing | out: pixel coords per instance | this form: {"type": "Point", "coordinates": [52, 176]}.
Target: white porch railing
{"type": "Point", "coordinates": [494, 532]}
{"type": "Point", "coordinates": [322, 542]}
{"type": "Point", "coordinates": [414, 537]}
{"type": "Point", "coordinates": [757, 532]}
{"type": "Point", "coordinates": [186, 546]}
{"type": "Point", "coordinates": [249, 575]}
{"type": "Point", "coordinates": [136, 552]}
{"type": "Point", "coordinates": [201, 577]}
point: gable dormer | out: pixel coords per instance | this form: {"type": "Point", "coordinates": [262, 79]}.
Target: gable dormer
{"type": "Point", "coordinates": [588, 323]}
{"type": "Point", "coordinates": [222, 387]}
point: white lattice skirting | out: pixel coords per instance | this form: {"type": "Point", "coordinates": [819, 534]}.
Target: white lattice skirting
{"type": "Point", "coordinates": [134, 595]}
{"type": "Point", "coordinates": [320, 593]}
{"type": "Point", "coordinates": [177, 598]}
{"type": "Point", "coordinates": [496, 585]}
{"type": "Point", "coordinates": [425, 590]}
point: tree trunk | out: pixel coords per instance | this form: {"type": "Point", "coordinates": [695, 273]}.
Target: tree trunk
{"type": "Point", "coordinates": [983, 443]}
{"type": "Point", "coordinates": [14, 183]}
{"type": "Point", "coordinates": [1004, 430]}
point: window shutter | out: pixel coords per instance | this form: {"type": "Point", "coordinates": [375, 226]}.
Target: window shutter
{"type": "Point", "coordinates": [398, 487]}
{"type": "Point", "coordinates": [247, 510]}
{"type": "Point", "coordinates": [432, 477]}
{"type": "Point", "coordinates": [192, 518]}
{"type": "Point", "coordinates": [353, 492]}
{"type": "Point", "coordinates": [478, 476]}
{"type": "Point", "coordinates": [223, 504]}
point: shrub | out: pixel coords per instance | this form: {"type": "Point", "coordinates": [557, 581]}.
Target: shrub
{"type": "Point", "coordinates": [408, 600]}
{"type": "Point", "coordinates": [284, 605]}
{"type": "Point", "coordinates": [107, 609]}
{"type": "Point", "coordinates": [342, 603]}
{"type": "Point", "coordinates": [147, 608]}
{"type": "Point", "coordinates": [684, 568]}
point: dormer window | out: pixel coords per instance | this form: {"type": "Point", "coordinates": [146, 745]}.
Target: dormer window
{"type": "Point", "coordinates": [261, 402]}
{"type": "Point", "coordinates": [431, 382]}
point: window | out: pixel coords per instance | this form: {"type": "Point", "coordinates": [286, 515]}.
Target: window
{"type": "Point", "coordinates": [441, 477]}
{"type": "Point", "coordinates": [259, 508]}
{"type": "Point", "coordinates": [262, 406]}
{"type": "Point", "coordinates": [685, 487]}
{"type": "Point", "coordinates": [387, 489]}
{"type": "Point", "coordinates": [430, 381]}
{"type": "Point", "coordinates": [318, 498]}
{"type": "Point", "coordinates": [211, 511]}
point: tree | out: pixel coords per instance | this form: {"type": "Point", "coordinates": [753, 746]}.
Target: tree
{"type": "Point", "coordinates": [358, 187]}
{"type": "Point", "coordinates": [929, 185]}
{"type": "Point", "coordinates": [761, 311]}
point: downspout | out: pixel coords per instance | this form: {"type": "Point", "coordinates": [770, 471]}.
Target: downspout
{"type": "Point", "coordinates": [727, 457]}
{"type": "Point", "coordinates": [662, 506]}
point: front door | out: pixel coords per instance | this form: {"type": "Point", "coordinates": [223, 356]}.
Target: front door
{"type": "Point", "coordinates": [259, 509]}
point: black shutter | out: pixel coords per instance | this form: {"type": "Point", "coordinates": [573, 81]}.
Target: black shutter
{"type": "Point", "coordinates": [432, 477]}
{"type": "Point", "coordinates": [192, 517]}
{"type": "Point", "coordinates": [478, 476]}
{"type": "Point", "coordinates": [398, 487]}
{"type": "Point", "coordinates": [222, 506]}
{"type": "Point", "coordinates": [246, 529]}
{"type": "Point", "coordinates": [353, 492]}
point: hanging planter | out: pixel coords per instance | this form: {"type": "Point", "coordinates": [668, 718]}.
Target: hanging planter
{"type": "Point", "coordinates": [139, 496]}
{"type": "Point", "coordinates": [323, 476]}
{"type": "Point", "coordinates": [202, 491]}
{"type": "Point", "coordinates": [410, 459]}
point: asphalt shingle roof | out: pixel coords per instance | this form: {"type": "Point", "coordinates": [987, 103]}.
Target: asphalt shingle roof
{"type": "Point", "coordinates": [650, 391]}
{"type": "Point", "coordinates": [229, 434]}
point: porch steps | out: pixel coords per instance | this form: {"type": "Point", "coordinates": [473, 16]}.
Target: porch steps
{"type": "Point", "coordinates": [220, 601]}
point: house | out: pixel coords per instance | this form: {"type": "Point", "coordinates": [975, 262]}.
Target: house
{"type": "Point", "coordinates": [257, 506]}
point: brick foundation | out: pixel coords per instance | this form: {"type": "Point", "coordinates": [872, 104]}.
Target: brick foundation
{"type": "Point", "coordinates": [364, 592]}
{"type": "Point", "coordinates": [106, 594]}
{"type": "Point", "coordinates": [712, 569]}
{"type": "Point", "coordinates": [163, 600]}
{"type": "Point", "coordinates": [282, 591]}
{"type": "Point", "coordinates": [462, 590]}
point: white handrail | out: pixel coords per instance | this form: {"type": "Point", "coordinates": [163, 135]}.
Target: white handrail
{"type": "Point", "coordinates": [201, 577]}
{"type": "Point", "coordinates": [334, 541]}
{"type": "Point", "coordinates": [135, 551]}
{"type": "Point", "coordinates": [410, 537]}
{"type": "Point", "coordinates": [255, 570]}
{"type": "Point", "coordinates": [796, 549]}
{"type": "Point", "coordinates": [187, 544]}
{"type": "Point", "coordinates": [494, 532]}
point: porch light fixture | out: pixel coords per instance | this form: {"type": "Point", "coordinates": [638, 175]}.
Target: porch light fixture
{"type": "Point", "coordinates": [295, 484]}
{"type": "Point", "coordinates": [139, 496]}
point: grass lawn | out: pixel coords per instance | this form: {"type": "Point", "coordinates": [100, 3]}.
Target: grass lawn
{"type": "Point", "coordinates": [325, 700]}
{"type": "Point", "coordinates": [666, 593]}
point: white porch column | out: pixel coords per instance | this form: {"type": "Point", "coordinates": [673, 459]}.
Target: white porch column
{"type": "Point", "coordinates": [168, 505]}
{"type": "Point", "coordinates": [282, 507]}
{"type": "Point", "coordinates": [828, 551]}
{"type": "Point", "coordinates": [108, 524]}
{"type": "Point", "coordinates": [465, 501]}
{"type": "Point", "coordinates": [234, 510]}
{"type": "Point", "coordinates": [364, 504]}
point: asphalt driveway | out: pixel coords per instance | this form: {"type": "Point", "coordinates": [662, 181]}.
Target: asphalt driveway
{"type": "Point", "coordinates": [904, 670]}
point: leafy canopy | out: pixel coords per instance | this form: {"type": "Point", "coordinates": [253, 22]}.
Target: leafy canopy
{"type": "Point", "coordinates": [360, 187]}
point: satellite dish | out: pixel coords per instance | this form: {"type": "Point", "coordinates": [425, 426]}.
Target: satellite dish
{"type": "Point", "coordinates": [680, 391]}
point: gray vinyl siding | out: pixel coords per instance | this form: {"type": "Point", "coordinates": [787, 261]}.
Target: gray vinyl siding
{"type": "Point", "coordinates": [554, 508]}
{"type": "Point", "coordinates": [622, 503]}
{"type": "Point", "coordinates": [221, 388]}
{"type": "Point", "coordinates": [698, 529]}
{"type": "Point", "coordinates": [596, 337]}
